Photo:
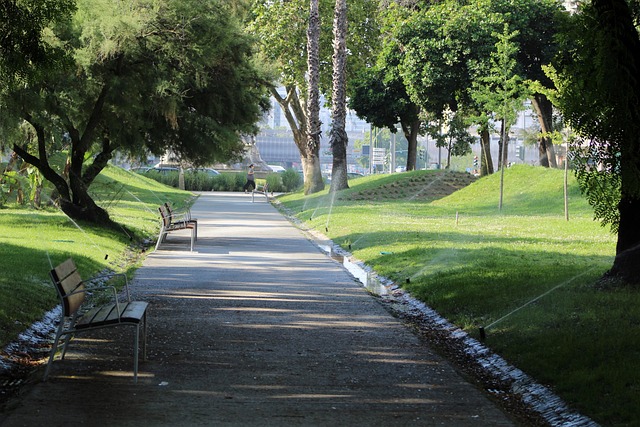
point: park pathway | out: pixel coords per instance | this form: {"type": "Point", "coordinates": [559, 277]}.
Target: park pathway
{"type": "Point", "coordinates": [256, 327]}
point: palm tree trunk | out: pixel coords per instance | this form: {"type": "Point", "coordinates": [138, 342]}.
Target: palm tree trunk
{"type": "Point", "coordinates": [311, 152]}
{"type": "Point", "coordinates": [339, 139]}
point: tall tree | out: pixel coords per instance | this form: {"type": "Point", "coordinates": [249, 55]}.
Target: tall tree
{"type": "Point", "coordinates": [379, 95]}
{"type": "Point", "coordinates": [281, 25]}
{"type": "Point", "coordinates": [446, 43]}
{"type": "Point", "coordinates": [444, 46]}
{"type": "Point", "coordinates": [310, 154]}
{"type": "Point", "coordinates": [537, 23]}
{"type": "Point", "coordinates": [599, 95]}
{"type": "Point", "coordinates": [138, 79]}
{"type": "Point", "coordinates": [383, 101]}
{"type": "Point", "coordinates": [338, 134]}
{"type": "Point", "coordinates": [501, 90]}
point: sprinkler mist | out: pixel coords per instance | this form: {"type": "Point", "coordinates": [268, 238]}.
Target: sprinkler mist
{"type": "Point", "coordinates": [482, 329]}
{"type": "Point", "coordinates": [72, 221]}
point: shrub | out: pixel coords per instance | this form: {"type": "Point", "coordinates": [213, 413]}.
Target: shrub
{"type": "Point", "coordinates": [198, 181]}
{"type": "Point", "coordinates": [168, 178]}
{"type": "Point", "coordinates": [292, 180]}
{"type": "Point", "coordinates": [275, 182]}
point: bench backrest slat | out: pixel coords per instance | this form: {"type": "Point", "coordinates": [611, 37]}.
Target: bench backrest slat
{"type": "Point", "coordinates": [66, 279]}
{"type": "Point", "coordinates": [165, 218]}
{"type": "Point", "coordinates": [169, 211]}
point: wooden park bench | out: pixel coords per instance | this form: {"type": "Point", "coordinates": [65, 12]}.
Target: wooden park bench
{"type": "Point", "coordinates": [260, 189]}
{"type": "Point", "coordinates": [169, 224]}
{"type": "Point", "coordinates": [179, 215]}
{"type": "Point", "coordinates": [78, 315]}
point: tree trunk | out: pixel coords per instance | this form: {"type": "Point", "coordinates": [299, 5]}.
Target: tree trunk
{"type": "Point", "coordinates": [294, 113]}
{"type": "Point", "coordinates": [310, 149]}
{"type": "Point", "coordinates": [544, 111]}
{"type": "Point", "coordinates": [338, 134]}
{"type": "Point", "coordinates": [411, 131]}
{"type": "Point", "coordinates": [615, 17]}
{"type": "Point", "coordinates": [72, 194]}
{"type": "Point", "coordinates": [502, 146]}
{"type": "Point", "coordinates": [73, 197]}
{"type": "Point", "coordinates": [486, 161]}
{"type": "Point", "coordinates": [625, 265]}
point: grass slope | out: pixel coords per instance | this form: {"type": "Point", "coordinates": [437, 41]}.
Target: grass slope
{"type": "Point", "coordinates": [34, 240]}
{"type": "Point", "coordinates": [524, 273]}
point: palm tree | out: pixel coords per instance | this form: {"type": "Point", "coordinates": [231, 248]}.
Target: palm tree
{"type": "Point", "coordinates": [338, 135]}
{"type": "Point", "coordinates": [311, 157]}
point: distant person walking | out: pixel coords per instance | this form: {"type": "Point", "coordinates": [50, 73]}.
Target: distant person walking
{"type": "Point", "coordinates": [251, 182]}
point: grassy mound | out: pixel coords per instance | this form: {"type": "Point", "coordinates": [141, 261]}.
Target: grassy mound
{"type": "Point", "coordinates": [411, 186]}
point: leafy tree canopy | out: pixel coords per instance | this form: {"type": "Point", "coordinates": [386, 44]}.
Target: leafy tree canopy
{"type": "Point", "coordinates": [22, 22]}
{"type": "Point", "coordinates": [281, 25]}
{"type": "Point", "coordinates": [598, 94]}
{"type": "Point", "coordinates": [143, 75]}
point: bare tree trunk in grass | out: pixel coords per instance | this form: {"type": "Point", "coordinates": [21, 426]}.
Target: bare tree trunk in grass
{"type": "Point", "coordinates": [544, 111]}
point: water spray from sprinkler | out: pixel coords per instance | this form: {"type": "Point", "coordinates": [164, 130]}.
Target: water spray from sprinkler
{"type": "Point", "coordinates": [482, 329]}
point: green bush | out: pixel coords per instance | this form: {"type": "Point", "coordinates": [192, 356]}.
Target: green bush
{"type": "Point", "coordinates": [198, 181]}
{"type": "Point", "coordinates": [201, 181]}
{"type": "Point", "coordinates": [168, 178]}
{"type": "Point", "coordinates": [292, 180]}
{"type": "Point", "coordinates": [228, 182]}
{"type": "Point", "coordinates": [275, 182]}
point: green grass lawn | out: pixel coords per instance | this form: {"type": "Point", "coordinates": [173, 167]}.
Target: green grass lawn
{"type": "Point", "coordinates": [524, 273]}
{"type": "Point", "coordinates": [34, 240]}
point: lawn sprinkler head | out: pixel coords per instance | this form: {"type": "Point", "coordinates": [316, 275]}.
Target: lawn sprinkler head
{"type": "Point", "coordinates": [408, 280]}
{"type": "Point", "coordinates": [106, 256]}
{"type": "Point", "coordinates": [349, 246]}
{"type": "Point", "coordinates": [326, 229]}
{"type": "Point", "coordinates": [483, 334]}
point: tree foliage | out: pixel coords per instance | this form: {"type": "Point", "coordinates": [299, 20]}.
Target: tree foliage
{"type": "Point", "coordinates": [143, 76]}
{"type": "Point", "coordinates": [446, 46]}
{"type": "Point", "coordinates": [598, 92]}
{"type": "Point", "coordinates": [281, 26]}
{"type": "Point", "coordinates": [378, 94]}
{"type": "Point", "coordinates": [23, 51]}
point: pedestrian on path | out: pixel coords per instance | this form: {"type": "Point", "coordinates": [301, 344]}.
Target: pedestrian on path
{"type": "Point", "coordinates": [250, 179]}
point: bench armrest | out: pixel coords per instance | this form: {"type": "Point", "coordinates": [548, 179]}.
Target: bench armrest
{"type": "Point", "coordinates": [109, 276]}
